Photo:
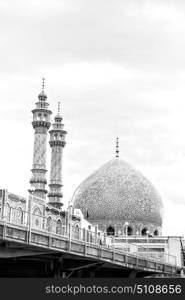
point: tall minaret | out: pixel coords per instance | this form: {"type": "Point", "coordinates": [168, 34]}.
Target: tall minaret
{"type": "Point", "coordinates": [41, 124]}
{"type": "Point", "coordinates": [57, 143]}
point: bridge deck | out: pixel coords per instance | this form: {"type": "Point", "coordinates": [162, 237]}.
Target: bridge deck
{"type": "Point", "coordinates": [22, 242]}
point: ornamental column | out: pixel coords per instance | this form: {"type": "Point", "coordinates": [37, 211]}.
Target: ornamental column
{"type": "Point", "coordinates": [57, 143]}
{"type": "Point", "coordinates": [41, 124]}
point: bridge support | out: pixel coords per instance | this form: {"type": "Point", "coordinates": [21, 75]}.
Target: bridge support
{"type": "Point", "coordinates": [58, 268]}
{"type": "Point", "coordinates": [182, 273]}
{"type": "Point", "coordinates": [79, 274]}
{"type": "Point", "coordinates": [133, 274]}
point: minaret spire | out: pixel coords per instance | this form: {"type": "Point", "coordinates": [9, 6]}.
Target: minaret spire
{"type": "Point", "coordinates": [43, 84]}
{"type": "Point", "coordinates": [59, 108]}
{"type": "Point", "coordinates": [117, 147]}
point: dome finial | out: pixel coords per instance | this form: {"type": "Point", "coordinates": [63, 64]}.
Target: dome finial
{"type": "Point", "coordinates": [43, 83]}
{"type": "Point", "coordinates": [59, 107]}
{"type": "Point", "coordinates": [42, 96]}
{"type": "Point", "coordinates": [58, 117]}
{"type": "Point", "coordinates": [117, 147]}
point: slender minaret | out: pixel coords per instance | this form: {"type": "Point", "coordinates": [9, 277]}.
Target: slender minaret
{"type": "Point", "coordinates": [117, 147]}
{"type": "Point", "coordinates": [57, 143]}
{"type": "Point", "coordinates": [41, 124]}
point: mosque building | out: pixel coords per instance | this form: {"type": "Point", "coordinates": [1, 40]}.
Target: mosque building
{"type": "Point", "coordinates": [116, 202]}
{"type": "Point", "coordinates": [120, 200]}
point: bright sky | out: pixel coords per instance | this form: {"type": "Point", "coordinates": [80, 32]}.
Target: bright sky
{"type": "Point", "coordinates": [118, 68]}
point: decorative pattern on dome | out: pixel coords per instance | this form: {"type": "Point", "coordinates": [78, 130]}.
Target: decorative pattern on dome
{"type": "Point", "coordinates": [117, 191]}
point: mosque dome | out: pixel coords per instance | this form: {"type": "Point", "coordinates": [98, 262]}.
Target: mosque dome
{"type": "Point", "coordinates": [117, 191]}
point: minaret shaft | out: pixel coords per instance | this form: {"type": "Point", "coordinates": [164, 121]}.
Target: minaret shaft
{"type": "Point", "coordinates": [41, 124]}
{"type": "Point", "coordinates": [56, 165]}
{"type": "Point", "coordinates": [57, 143]}
{"type": "Point", "coordinates": [40, 144]}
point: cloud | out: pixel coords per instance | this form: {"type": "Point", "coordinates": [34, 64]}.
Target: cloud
{"type": "Point", "coordinates": [118, 69]}
{"type": "Point", "coordinates": [140, 34]}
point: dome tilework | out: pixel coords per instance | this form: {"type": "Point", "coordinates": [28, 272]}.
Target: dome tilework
{"type": "Point", "coordinates": [117, 191]}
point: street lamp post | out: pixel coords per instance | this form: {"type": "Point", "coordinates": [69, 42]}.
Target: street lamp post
{"type": "Point", "coordinates": [126, 232]}
{"type": "Point", "coordinates": [147, 233]}
{"type": "Point", "coordinates": [31, 191]}
{"type": "Point", "coordinates": [69, 227]}
{"type": "Point", "coordinates": [69, 217]}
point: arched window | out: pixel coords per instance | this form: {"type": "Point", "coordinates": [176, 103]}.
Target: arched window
{"type": "Point", "coordinates": [110, 230]}
{"type": "Point", "coordinates": [59, 227]}
{"type": "Point", "coordinates": [39, 116]}
{"type": "Point", "coordinates": [119, 232]}
{"type": "Point", "coordinates": [37, 218]}
{"type": "Point", "coordinates": [49, 224]}
{"type": "Point", "coordinates": [129, 230]}
{"type": "Point", "coordinates": [8, 213]}
{"type": "Point", "coordinates": [84, 234]}
{"type": "Point", "coordinates": [77, 232]}
{"type": "Point", "coordinates": [144, 231]}
{"type": "Point", "coordinates": [156, 232]}
{"type": "Point", "coordinates": [19, 216]}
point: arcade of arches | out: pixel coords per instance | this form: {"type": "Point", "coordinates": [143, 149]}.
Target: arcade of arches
{"type": "Point", "coordinates": [128, 231]}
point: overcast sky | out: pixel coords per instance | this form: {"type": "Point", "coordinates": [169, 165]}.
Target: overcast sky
{"type": "Point", "coordinates": [118, 68]}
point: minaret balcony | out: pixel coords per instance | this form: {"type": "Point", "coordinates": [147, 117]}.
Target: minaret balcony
{"type": "Point", "coordinates": [41, 109]}
{"type": "Point", "coordinates": [41, 123]}
{"type": "Point", "coordinates": [55, 194]}
{"type": "Point", "coordinates": [55, 143]}
{"type": "Point", "coordinates": [38, 180]}
{"type": "Point", "coordinates": [55, 184]}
